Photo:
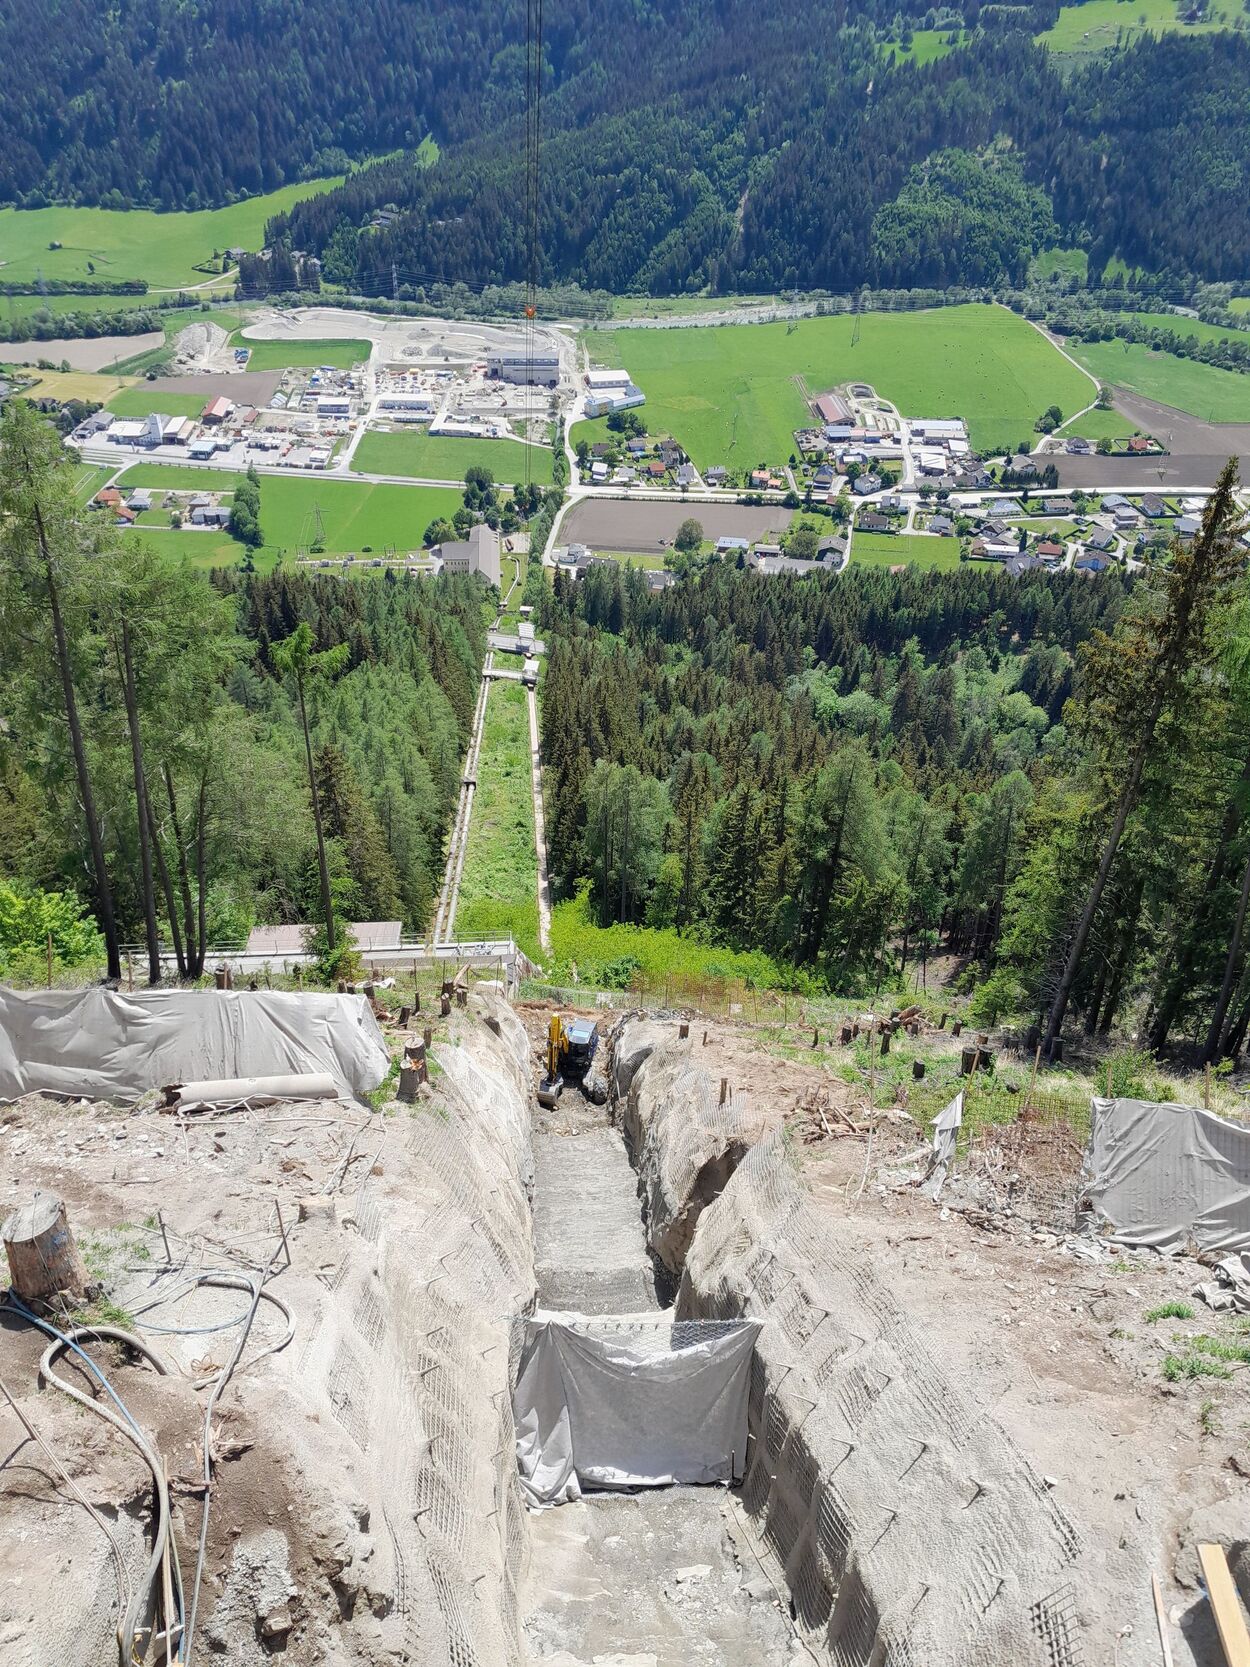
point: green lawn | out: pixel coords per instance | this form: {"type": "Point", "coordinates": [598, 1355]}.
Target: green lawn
{"type": "Point", "coordinates": [1239, 304]}
{"type": "Point", "coordinates": [730, 396]}
{"type": "Point", "coordinates": [1221, 396]}
{"type": "Point", "coordinates": [927, 45]}
{"type": "Point", "coordinates": [89, 479]}
{"type": "Point", "coordinates": [355, 515]}
{"type": "Point", "coordinates": [209, 548]}
{"type": "Point", "coordinates": [1096, 425]}
{"type": "Point", "coordinates": [603, 953]}
{"type": "Point", "coordinates": [446, 457]}
{"type": "Point", "coordinates": [499, 885]}
{"type": "Point", "coordinates": [137, 243]}
{"type": "Point", "coordinates": [138, 402]}
{"type": "Point", "coordinates": [292, 353]}
{"type": "Point", "coordinates": [1097, 25]}
{"type": "Point", "coordinates": [888, 549]}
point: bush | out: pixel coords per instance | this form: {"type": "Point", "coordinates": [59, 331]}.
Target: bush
{"type": "Point", "coordinates": [28, 915]}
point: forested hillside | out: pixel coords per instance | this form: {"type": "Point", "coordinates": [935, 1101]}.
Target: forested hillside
{"type": "Point", "coordinates": [153, 758]}
{"type": "Point", "coordinates": [687, 142]}
{"type": "Point", "coordinates": [857, 771]}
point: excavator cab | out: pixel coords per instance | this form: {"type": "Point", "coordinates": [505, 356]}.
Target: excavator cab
{"type": "Point", "coordinates": [571, 1048]}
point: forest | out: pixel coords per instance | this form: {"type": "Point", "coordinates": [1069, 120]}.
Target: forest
{"type": "Point", "coordinates": [800, 159]}
{"type": "Point", "coordinates": [190, 754]}
{"type": "Point", "coordinates": [687, 143]}
{"type": "Point", "coordinates": [1045, 778]}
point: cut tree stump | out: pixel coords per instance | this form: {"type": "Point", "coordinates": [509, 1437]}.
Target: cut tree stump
{"type": "Point", "coordinates": [43, 1258]}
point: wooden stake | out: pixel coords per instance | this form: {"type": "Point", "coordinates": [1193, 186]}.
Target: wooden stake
{"type": "Point", "coordinates": [49, 960]}
{"type": "Point", "coordinates": [1225, 1605]}
{"type": "Point", "coordinates": [1162, 1621]}
{"type": "Point", "coordinates": [1206, 1086]}
{"type": "Point", "coordinates": [1109, 1094]}
{"type": "Point", "coordinates": [1028, 1098]}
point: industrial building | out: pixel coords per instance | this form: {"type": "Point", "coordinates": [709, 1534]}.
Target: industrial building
{"type": "Point", "coordinates": [541, 368]}
{"type": "Point", "coordinates": [479, 553]}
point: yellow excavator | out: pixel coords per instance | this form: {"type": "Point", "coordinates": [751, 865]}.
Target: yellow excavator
{"type": "Point", "coordinates": [571, 1047]}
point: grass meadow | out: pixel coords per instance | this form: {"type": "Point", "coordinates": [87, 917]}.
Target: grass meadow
{"type": "Point", "coordinates": [356, 516]}
{"type": "Point", "coordinates": [499, 885]}
{"type": "Point", "coordinates": [137, 243]}
{"type": "Point", "coordinates": [446, 457]}
{"type": "Point", "coordinates": [731, 394]}
{"type": "Point", "coordinates": [138, 402]}
{"type": "Point", "coordinates": [1099, 425]}
{"type": "Point", "coordinates": [1215, 395]}
{"type": "Point", "coordinates": [917, 549]}
{"type": "Point", "coordinates": [1098, 25]}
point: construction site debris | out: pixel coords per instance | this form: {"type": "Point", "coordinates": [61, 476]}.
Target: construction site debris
{"type": "Point", "coordinates": [1229, 1291]}
{"type": "Point", "coordinates": [256, 1091]}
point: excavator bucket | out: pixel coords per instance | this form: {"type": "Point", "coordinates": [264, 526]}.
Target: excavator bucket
{"type": "Point", "coordinates": [549, 1090]}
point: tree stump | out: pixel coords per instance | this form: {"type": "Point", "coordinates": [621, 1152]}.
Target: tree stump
{"type": "Point", "coordinates": [43, 1258]}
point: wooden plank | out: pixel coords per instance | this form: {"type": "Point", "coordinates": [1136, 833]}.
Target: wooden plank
{"type": "Point", "coordinates": [1162, 1620]}
{"type": "Point", "coordinates": [1225, 1605]}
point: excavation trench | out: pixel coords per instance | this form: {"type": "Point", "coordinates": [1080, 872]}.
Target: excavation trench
{"type": "Point", "coordinates": [660, 1576]}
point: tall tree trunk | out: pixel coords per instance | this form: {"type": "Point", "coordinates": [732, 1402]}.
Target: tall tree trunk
{"type": "Point", "coordinates": [1124, 954]}
{"type": "Point", "coordinates": [104, 891]}
{"type": "Point", "coordinates": [323, 867]}
{"type": "Point", "coordinates": [1169, 1003]}
{"type": "Point", "coordinates": [1095, 1003]}
{"type": "Point", "coordinates": [195, 947]}
{"type": "Point", "coordinates": [167, 887]}
{"type": "Point", "coordinates": [148, 889]}
{"type": "Point", "coordinates": [1232, 969]}
{"type": "Point", "coordinates": [1127, 800]}
{"type": "Point", "coordinates": [201, 882]}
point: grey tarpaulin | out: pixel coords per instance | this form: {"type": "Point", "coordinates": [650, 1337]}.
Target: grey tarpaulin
{"type": "Point", "coordinates": [1167, 1176]}
{"type": "Point", "coordinates": [635, 1401]}
{"type": "Point", "coordinates": [103, 1044]}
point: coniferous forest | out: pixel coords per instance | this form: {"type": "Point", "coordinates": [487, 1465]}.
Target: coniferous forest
{"type": "Point", "coordinates": [687, 142]}
{"type": "Point", "coordinates": [1044, 776]}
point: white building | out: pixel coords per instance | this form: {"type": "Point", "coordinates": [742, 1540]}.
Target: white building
{"type": "Point", "coordinates": [334, 405]}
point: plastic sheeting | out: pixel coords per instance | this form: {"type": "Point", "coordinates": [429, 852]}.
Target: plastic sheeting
{"type": "Point", "coordinates": [629, 1403]}
{"type": "Point", "coordinates": [103, 1044]}
{"type": "Point", "coordinates": [1168, 1176]}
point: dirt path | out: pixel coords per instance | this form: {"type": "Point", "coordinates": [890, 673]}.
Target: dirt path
{"type": "Point", "coordinates": [664, 1577]}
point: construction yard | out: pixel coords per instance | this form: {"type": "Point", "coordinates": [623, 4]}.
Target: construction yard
{"type": "Point", "coordinates": [976, 1426]}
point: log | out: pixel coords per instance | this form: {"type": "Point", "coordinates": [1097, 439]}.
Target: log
{"type": "Point", "coordinates": [43, 1258]}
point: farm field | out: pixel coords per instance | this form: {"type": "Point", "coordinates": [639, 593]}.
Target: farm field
{"type": "Point", "coordinates": [499, 885]}
{"type": "Point", "coordinates": [22, 306]}
{"type": "Point", "coordinates": [355, 515]}
{"type": "Point", "coordinates": [1192, 327]}
{"type": "Point", "coordinates": [1220, 396]}
{"type": "Point", "coordinates": [1097, 25]}
{"type": "Point", "coordinates": [213, 548]}
{"type": "Point", "coordinates": [889, 549]}
{"type": "Point", "coordinates": [92, 386]}
{"type": "Point", "coordinates": [446, 457]}
{"type": "Point", "coordinates": [1099, 425]}
{"type": "Point", "coordinates": [138, 401]}
{"type": "Point", "coordinates": [682, 306]}
{"type": "Point", "coordinates": [729, 394]}
{"type": "Point", "coordinates": [138, 242]}
{"type": "Point", "coordinates": [283, 355]}
{"type": "Point", "coordinates": [1239, 304]}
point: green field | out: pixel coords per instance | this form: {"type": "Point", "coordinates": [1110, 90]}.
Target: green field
{"type": "Point", "coordinates": [1097, 25]}
{"type": "Point", "coordinates": [355, 515]}
{"type": "Point", "coordinates": [1075, 262]}
{"type": "Point", "coordinates": [138, 242]}
{"type": "Point", "coordinates": [88, 480]}
{"type": "Point", "coordinates": [1239, 304]}
{"type": "Point", "coordinates": [138, 402]}
{"type": "Point", "coordinates": [730, 396]}
{"type": "Point", "coordinates": [1220, 396]}
{"type": "Point", "coordinates": [889, 549]}
{"type": "Point", "coordinates": [499, 885]}
{"type": "Point", "coordinates": [602, 953]}
{"type": "Point", "coordinates": [1190, 327]}
{"type": "Point", "coordinates": [209, 548]}
{"type": "Point", "coordinates": [1097, 425]}
{"type": "Point", "coordinates": [292, 353]}
{"type": "Point", "coordinates": [446, 457]}
{"type": "Point", "coordinates": [927, 45]}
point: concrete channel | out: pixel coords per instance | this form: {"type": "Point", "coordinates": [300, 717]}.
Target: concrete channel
{"type": "Point", "coordinates": [659, 1578]}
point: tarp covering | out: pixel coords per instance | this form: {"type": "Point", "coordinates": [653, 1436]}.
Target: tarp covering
{"type": "Point", "coordinates": [1167, 1176]}
{"type": "Point", "coordinates": [629, 1402]}
{"type": "Point", "coordinates": [102, 1044]}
